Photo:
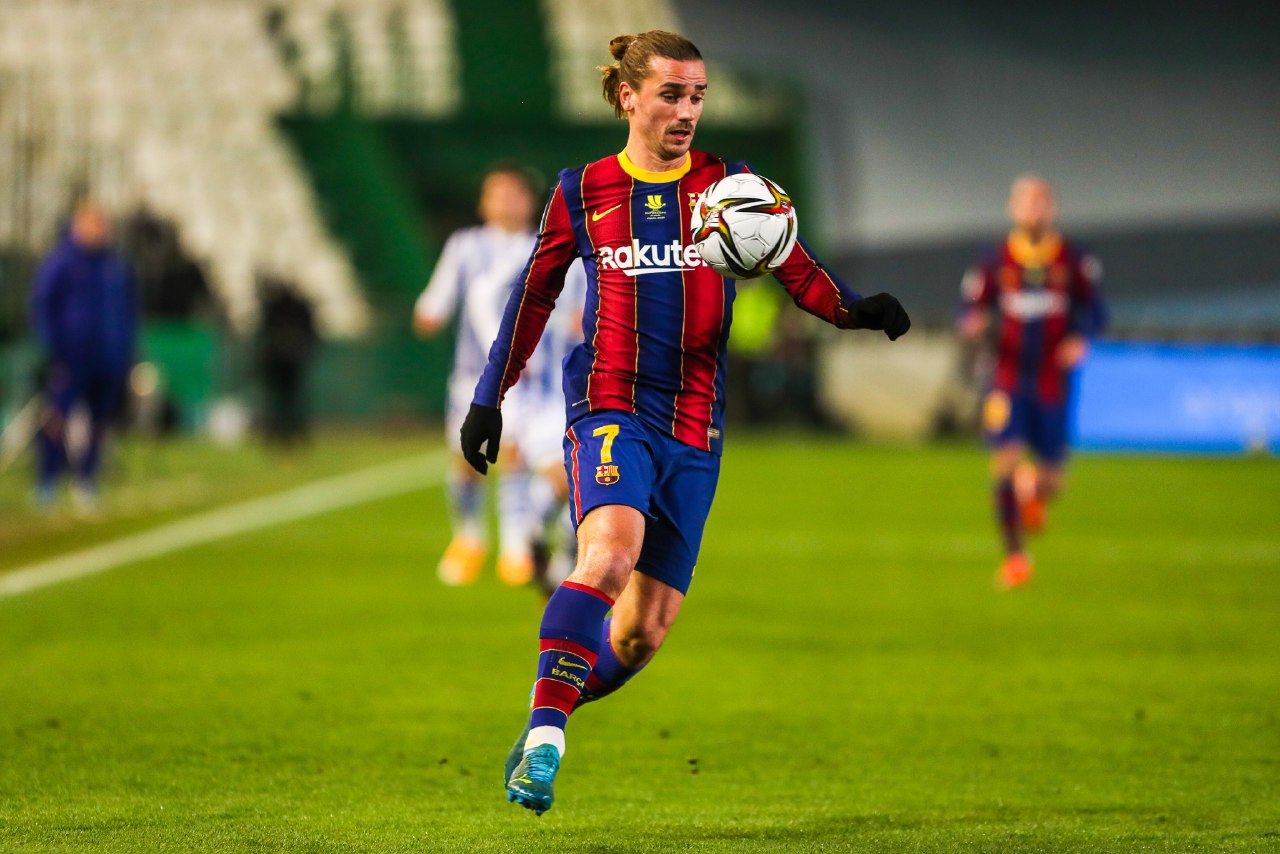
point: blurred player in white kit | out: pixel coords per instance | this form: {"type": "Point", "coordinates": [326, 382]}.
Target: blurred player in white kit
{"type": "Point", "coordinates": [473, 279]}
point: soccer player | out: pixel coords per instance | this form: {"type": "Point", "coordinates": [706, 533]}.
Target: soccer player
{"type": "Point", "coordinates": [84, 310]}
{"type": "Point", "coordinates": [1042, 293]}
{"type": "Point", "coordinates": [644, 391]}
{"type": "Point", "coordinates": [474, 278]}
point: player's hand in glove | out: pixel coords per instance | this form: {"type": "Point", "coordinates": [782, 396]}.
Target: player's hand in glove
{"type": "Point", "coordinates": [882, 311]}
{"type": "Point", "coordinates": [483, 424]}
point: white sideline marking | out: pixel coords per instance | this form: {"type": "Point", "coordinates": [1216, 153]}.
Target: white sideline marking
{"type": "Point", "coordinates": [313, 499]}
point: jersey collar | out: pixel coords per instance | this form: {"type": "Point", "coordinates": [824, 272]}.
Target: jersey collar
{"type": "Point", "coordinates": [654, 177]}
{"type": "Point", "coordinates": [1030, 254]}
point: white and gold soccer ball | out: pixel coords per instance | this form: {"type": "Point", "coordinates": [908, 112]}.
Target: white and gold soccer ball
{"type": "Point", "coordinates": [744, 226]}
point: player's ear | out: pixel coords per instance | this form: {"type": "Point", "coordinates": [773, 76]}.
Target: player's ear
{"type": "Point", "coordinates": [626, 96]}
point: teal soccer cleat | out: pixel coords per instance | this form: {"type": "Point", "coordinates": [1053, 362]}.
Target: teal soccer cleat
{"type": "Point", "coordinates": [531, 782]}
{"type": "Point", "coordinates": [517, 749]}
{"type": "Point", "coordinates": [516, 753]}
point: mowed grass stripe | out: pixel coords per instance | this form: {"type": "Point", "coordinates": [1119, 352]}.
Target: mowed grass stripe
{"type": "Point", "coordinates": [371, 484]}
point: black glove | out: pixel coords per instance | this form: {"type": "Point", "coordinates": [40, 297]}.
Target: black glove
{"type": "Point", "coordinates": [882, 311]}
{"type": "Point", "coordinates": [483, 424]}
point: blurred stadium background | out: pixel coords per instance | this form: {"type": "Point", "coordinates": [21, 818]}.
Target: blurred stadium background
{"type": "Point", "coordinates": [336, 143]}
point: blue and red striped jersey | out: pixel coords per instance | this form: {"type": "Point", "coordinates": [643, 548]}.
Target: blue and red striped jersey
{"type": "Point", "coordinates": [1040, 294]}
{"type": "Point", "coordinates": [656, 318]}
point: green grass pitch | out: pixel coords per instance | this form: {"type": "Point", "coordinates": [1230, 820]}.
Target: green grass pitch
{"type": "Point", "coordinates": [844, 677]}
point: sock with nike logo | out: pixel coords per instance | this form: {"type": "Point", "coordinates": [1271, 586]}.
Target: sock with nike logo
{"type": "Point", "coordinates": [569, 644]}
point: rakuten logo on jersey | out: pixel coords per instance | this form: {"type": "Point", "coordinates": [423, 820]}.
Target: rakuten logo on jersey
{"type": "Point", "coordinates": [640, 259]}
{"type": "Point", "coordinates": [1033, 305]}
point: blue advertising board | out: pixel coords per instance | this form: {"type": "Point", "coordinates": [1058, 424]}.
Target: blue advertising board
{"type": "Point", "coordinates": [1178, 398]}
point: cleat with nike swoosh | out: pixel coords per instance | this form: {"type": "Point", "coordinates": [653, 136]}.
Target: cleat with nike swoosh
{"type": "Point", "coordinates": [516, 753]}
{"type": "Point", "coordinates": [531, 783]}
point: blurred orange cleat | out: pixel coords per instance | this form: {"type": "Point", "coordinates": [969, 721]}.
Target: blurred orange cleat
{"type": "Point", "coordinates": [515, 570]}
{"type": "Point", "coordinates": [462, 561]}
{"type": "Point", "coordinates": [1015, 571]}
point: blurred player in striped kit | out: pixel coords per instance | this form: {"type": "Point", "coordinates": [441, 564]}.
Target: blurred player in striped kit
{"type": "Point", "coordinates": [473, 280]}
{"type": "Point", "coordinates": [1037, 293]}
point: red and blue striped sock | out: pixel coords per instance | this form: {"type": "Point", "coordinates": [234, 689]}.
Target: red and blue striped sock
{"type": "Point", "coordinates": [569, 645]}
{"type": "Point", "coordinates": [609, 674]}
{"type": "Point", "coordinates": [1007, 514]}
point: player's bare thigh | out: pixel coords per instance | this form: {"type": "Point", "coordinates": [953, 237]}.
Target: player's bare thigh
{"type": "Point", "coordinates": [609, 542]}
{"type": "Point", "coordinates": [1005, 458]}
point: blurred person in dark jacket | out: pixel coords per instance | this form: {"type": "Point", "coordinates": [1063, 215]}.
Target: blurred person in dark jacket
{"type": "Point", "coordinates": [84, 312]}
{"type": "Point", "coordinates": [288, 341]}
{"type": "Point", "coordinates": [171, 284]}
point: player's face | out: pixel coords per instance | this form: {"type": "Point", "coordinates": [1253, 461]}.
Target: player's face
{"type": "Point", "coordinates": [505, 202]}
{"type": "Point", "coordinates": [665, 110]}
{"type": "Point", "coordinates": [90, 227]}
{"type": "Point", "coordinates": [1032, 206]}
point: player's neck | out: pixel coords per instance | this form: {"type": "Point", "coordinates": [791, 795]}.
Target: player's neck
{"type": "Point", "coordinates": [640, 155]}
{"type": "Point", "coordinates": [1034, 248]}
{"type": "Point", "coordinates": [1035, 236]}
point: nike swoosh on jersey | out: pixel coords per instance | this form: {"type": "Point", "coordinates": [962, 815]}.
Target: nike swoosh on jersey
{"type": "Point", "coordinates": [596, 216]}
{"type": "Point", "coordinates": [564, 663]}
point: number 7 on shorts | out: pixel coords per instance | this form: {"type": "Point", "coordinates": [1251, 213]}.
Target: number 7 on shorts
{"type": "Point", "coordinates": [610, 432]}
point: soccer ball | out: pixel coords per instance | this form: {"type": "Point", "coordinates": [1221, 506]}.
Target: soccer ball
{"type": "Point", "coordinates": [744, 226]}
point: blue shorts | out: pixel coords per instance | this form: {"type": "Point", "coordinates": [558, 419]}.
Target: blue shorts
{"type": "Point", "coordinates": [613, 457]}
{"type": "Point", "coordinates": [1022, 418]}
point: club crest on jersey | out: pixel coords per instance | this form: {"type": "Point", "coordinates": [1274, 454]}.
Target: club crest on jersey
{"type": "Point", "coordinates": [655, 208]}
{"type": "Point", "coordinates": [693, 200]}
{"type": "Point", "coordinates": [607, 475]}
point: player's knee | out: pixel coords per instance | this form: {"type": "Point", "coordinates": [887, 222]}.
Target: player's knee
{"type": "Point", "coordinates": [1004, 462]}
{"type": "Point", "coordinates": [636, 646]}
{"type": "Point", "coordinates": [608, 548]}
{"type": "Point", "coordinates": [605, 564]}
{"type": "Point", "coordinates": [1051, 483]}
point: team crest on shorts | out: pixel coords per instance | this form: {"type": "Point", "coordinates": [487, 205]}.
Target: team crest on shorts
{"type": "Point", "coordinates": [607, 475]}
